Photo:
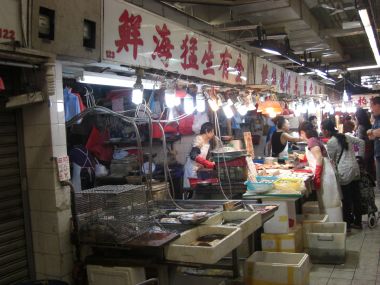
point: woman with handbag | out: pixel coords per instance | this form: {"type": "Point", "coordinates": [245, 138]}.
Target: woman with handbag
{"type": "Point", "coordinates": [325, 180]}
{"type": "Point", "coordinates": [340, 149]}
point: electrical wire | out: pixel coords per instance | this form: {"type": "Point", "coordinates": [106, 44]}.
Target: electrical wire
{"type": "Point", "coordinates": [217, 134]}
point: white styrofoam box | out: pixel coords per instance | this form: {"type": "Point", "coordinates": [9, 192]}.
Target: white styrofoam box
{"type": "Point", "coordinates": [335, 214]}
{"type": "Point", "coordinates": [100, 275]}
{"type": "Point", "coordinates": [181, 250]}
{"type": "Point", "coordinates": [314, 218]}
{"type": "Point", "coordinates": [252, 220]}
{"type": "Point", "coordinates": [326, 242]}
{"type": "Point", "coordinates": [277, 268]}
{"type": "Point", "coordinates": [309, 219]}
{"type": "Point", "coordinates": [310, 207]}
{"type": "Point", "coordinates": [290, 242]}
{"type": "Point", "coordinates": [279, 224]}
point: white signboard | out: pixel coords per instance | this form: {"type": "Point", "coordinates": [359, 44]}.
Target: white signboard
{"type": "Point", "coordinates": [285, 81]}
{"type": "Point", "coordinates": [10, 21]}
{"type": "Point", "coordinates": [363, 100]}
{"type": "Point", "coordinates": [136, 37]}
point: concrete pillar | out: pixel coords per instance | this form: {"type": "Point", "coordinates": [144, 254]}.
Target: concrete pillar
{"type": "Point", "coordinates": [45, 138]}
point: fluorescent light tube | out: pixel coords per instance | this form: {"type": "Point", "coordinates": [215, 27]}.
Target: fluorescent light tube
{"type": "Point", "coordinates": [106, 79]}
{"type": "Point", "coordinates": [112, 80]}
{"type": "Point", "coordinates": [363, 67]}
{"type": "Point", "coordinates": [270, 51]}
{"type": "Point", "coordinates": [369, 31]}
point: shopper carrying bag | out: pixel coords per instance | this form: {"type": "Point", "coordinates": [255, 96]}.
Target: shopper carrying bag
{"type": "Point", "coordinates": [340, 149]}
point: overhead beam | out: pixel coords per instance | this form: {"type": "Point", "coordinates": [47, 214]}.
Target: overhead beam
{"type": "Point", "coordinates": [213, 2]}
{"type": "Point", "coordinates": [338, 33]}
{"type": "Point", "coordinates": [251, 39]}
{"type": "Point", "coordinates": [235, 28]}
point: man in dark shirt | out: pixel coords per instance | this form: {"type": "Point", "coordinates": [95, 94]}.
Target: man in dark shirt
{"type": "Point", "coordinates": [374, 134]}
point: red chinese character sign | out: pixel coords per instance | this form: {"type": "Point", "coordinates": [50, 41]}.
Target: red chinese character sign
{"type": "Point", "coordinates": [239, 68]}
{"type": "Point", "coordinates": [285, 81]}
{"type": "Point", "coordinates": [129, 33]}
{"type": "Point", "coordinates": [163, 45]}
{"type": "Point", "coordinates": [207, 60]}
{"type": "Point", "coordinates": [135, 37]}
{"type": "Point", "coordinates": [225, 63]}
{"type": "Point", "coordinates": [189, 57]}
{"type": "Point", "coordinates": [264, 74]}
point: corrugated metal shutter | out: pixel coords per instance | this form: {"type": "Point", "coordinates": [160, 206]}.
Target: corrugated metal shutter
{"type": "Point", "coordinates": [13, 245]}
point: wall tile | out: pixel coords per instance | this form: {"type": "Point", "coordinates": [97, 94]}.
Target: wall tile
{"type": "Point", "coordinates": [65, 245]}
{"type": "Point", "coordinates": [35, 220]}
{"type": "Point", "coordinates": [60, 150]}
{"type": "Point", "coordinates": [49, 222]}
{"type": "Point", "coordinates": [58, 132]}
{"type": "Point", "coordinates": [37, 135]}
{"type": "Point", "coordinates": [34, 200]}
{"type": "Point", "coordinates": [53, 264]}
{"type": "Point", "coordinates": [42, 179]}
{"type": "Point", "coordinates": [39, 157]}
{"type": "Point", "coordinates": [64, 221]}
{"type": "Point", "coordinates": [36, 114]}
{"type": "Point", "coordinates": [48, 201]}
{"type": "Point", "coordinates": [62, 198]}
{"type": "Point", "coordinates": [39, 260]}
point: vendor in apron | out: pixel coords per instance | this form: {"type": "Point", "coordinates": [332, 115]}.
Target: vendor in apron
{"type": "Point", "coordinates": [325, 180]}
{"type": "Point", "coordinates": [280, 138]}
{"type": "Point", "coordinates": [198, 154]}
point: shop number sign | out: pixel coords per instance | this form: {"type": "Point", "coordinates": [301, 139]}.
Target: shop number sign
{"type": "Point", "coordinates": [135, 37]}
{"type": "Point", "coordinates": [10, 23]}
{"type": "Point", "coordinates": [7, 34]}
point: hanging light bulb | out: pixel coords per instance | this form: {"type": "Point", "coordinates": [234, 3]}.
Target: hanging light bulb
{"type": "Point", "coordinates": [228, 111]}
{"type": "Point", "coordinates": [229, 102]}
{"type": "Point", "coordinates": [177, 101]}
{"type": "Point", "coordinates": [188, 103]}
{"type": "Point", "coordinates": [272, 115]}
{"type": "Point", "coordinates": [213, 104]}
{"type": "Point", "coordinates": [241, 108]}
{"type": "Point", "coordinates": [303, 108]}
{"type": "Point", "coordinates": [201, 103]}
{"type": "Point", "coordinates": [171, 114]}
{"type": "Point", "coordinates": [344, 108]}
{"type": "Point", "coordinates": [311, 107]}
{"type": "Point", "coordinates": [345, 96]}
{"type": "Point", "coordinates": [170, 98]}
{"type": "Point", "coordinates": [331, 110]}
{"type": "Point", "coordinates": [137, 92]}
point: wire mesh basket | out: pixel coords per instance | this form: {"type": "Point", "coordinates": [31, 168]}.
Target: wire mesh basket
{"type": "Point", "coordinates": [112, 214]}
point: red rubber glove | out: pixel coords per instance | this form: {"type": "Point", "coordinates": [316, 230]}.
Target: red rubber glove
{"type": "Point", "coordinates": [304, 160]}
{"type": "Point", "coordinates": [318, 176]}
{"type": "Point", "coordinates": [206, 163]}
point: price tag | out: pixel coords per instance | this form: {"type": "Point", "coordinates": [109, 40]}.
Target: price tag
{"type": "Point", "coordinates": [63, 168]}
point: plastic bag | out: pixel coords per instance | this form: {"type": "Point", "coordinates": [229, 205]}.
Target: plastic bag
{"type": "Point", "coordinates": [199, 120]}
{"type": "Point", "coordinates": [96, 144]}
{"type": "Point", "coordinates": [185, 125]}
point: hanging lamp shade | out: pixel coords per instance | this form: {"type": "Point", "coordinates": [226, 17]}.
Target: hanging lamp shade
{"type": "Point", "coordinates": [270, 107]}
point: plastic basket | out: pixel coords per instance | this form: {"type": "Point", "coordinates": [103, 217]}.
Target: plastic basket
{"type": "Point", "coordinates": [289, 184]}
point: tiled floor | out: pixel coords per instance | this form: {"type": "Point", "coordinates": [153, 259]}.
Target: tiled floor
{"type": "Point", "coordinates": [362, 264]}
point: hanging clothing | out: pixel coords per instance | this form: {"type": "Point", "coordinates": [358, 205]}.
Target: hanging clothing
{"type": "Point", "coordinates": [71, 104]}
{"type": "Point", "coordinates": [278, 148]}
{"type": "Point", "coordinates": [191, 166]}
{"type": "Point", "coordinates": [82, 106]}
